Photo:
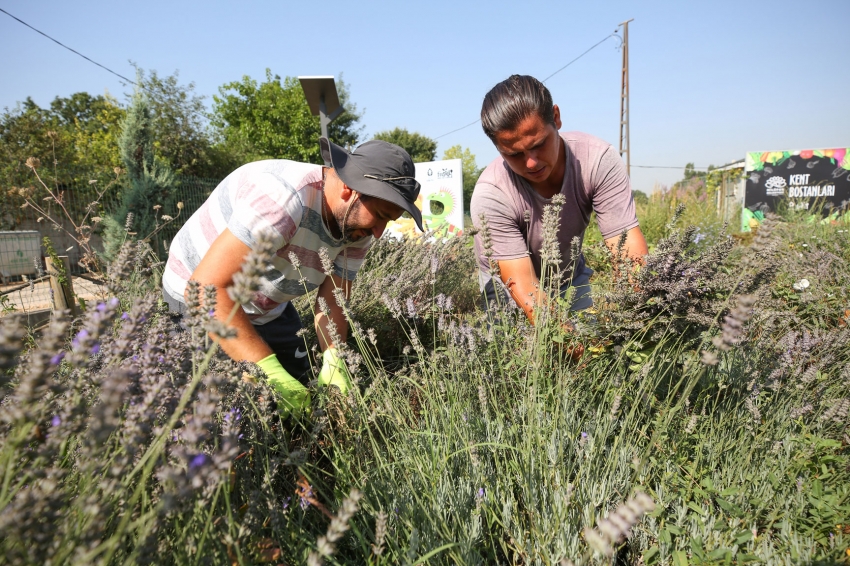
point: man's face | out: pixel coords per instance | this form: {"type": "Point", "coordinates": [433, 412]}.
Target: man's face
{"type": "Point", "coordinates": [532, 149]}
{"type": "Point", "coordinates": [369, 216]}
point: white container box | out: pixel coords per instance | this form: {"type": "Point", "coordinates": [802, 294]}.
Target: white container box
{"type": "Point", "coordinates": [19, 250]}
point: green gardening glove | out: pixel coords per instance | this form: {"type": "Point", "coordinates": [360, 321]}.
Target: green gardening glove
{"type": "Point", "coordinates": [334, 371]}
{"type": "Point", "coordinates": [293, 398]}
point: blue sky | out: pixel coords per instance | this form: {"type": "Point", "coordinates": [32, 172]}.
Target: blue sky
{"type": "Point", "coordinates": [709, 80]}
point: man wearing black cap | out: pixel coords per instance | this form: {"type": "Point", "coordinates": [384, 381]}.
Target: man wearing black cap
{"type": "Point", "coordinates": [317, 217]}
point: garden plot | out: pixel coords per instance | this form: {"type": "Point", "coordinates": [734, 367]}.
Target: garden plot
{"type": "Point", "coordinates": [37, 297]}
{"type": "Point", "coordinates": [706, 421]}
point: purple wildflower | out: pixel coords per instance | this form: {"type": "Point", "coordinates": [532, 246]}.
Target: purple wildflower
{"type": "Point", "coordinates": [305, 499]}
{"type": "Point", "coordinates": [95, 349]}
{"type": "Point", "coordinates": [55, 421]}
{"type": "Point", "coordinates": [198, 461]}
{"type": "Point", "coordinates": [81, 335]}
{"type": "Point", "coordinates": [57, 359]}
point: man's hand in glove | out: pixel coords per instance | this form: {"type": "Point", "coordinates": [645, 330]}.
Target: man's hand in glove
{"type": "Point", "coordinates": [334, 371]}
{"type": "Point", "coordinates": [293, 398]}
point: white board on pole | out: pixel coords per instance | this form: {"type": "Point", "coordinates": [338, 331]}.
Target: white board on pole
{"type": "Point", "coordinates": [440, 200]}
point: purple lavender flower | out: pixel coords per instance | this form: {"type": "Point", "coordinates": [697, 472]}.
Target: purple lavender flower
{"type": "Point", "coordinates": [305, 499]}
{"type": "Point", "coordinates": [583, 434]}
{"type": "Point", "coordinates": [81, 335]}
{"type": "Point", "coordinates": [55, 421]}
{"type": "Point", "coordinates": [95, 349]}
{"type": "Point", "coordinates": [101, 307]}
{"type": "Point", "coordinates": [199, 461]}
{"type": "Point", "coordinates": [125, 316]}
{"type": "Point", "coordinates": [57, 359]}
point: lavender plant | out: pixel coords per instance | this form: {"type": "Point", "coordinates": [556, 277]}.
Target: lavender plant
{"type": "Point", "coordinates": [128, 439]}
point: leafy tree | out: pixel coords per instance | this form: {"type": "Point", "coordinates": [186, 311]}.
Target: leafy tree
{"type": "Point", "coordinates": [24, 133]}
{"type": "Point", "coordinates": [151, 181]}
{"type": "Point", "coordinates": [78, 132]}
{"type": "Point", "coordinates": [640, 197]}
{"type": "Point", "coordinates": [421, 148]}
{"type": "Point", "coordinates": [93, 124]}
{"type": "Point", "coordinates": [180, 127]}
{"type": "Point", "coordinates": [693, 179]}
{"type": "Point", "coordinates": [470, 171]}
{"type": "Point", "coordinates": [272, 120]}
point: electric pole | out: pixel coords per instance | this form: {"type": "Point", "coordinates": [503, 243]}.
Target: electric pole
{"type": "Point", "coordinates": [625, 146]}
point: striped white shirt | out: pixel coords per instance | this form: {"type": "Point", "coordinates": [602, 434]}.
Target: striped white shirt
{"type": "Point", "coordinates": [277, 197]}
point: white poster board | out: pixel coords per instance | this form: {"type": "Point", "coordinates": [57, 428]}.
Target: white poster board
{"type": "Point", "coordinates": [440, 200]}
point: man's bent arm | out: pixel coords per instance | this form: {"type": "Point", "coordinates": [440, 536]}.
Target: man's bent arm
{"type": "Point", "coordinates": [217, 267]}
{"type": "Point", "coordinates": [635, 246]}
{"type": "Point", "coordinates": [335, 312]}
{"type": "Point", "coordinates": [521, 281]}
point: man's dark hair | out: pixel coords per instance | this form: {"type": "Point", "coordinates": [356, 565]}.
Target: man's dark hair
{"type": "Point", "coordinates": [512, 101]}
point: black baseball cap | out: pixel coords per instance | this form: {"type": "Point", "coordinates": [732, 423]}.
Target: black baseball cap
{"type": "Point", "coordinates": [378, 169]}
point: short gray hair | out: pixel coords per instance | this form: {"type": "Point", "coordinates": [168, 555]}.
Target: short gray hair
{"type": "Point", "coordinates": [512, 101]}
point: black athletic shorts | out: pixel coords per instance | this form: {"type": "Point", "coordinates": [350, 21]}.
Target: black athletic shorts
{"type": "Point", "coordinates": [281, 336]}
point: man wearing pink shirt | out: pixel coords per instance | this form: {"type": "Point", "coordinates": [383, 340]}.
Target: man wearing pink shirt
{"type": "Point", "coordinates": [321, 222]}
{"type": "Point", "coordinates": [535, 163]}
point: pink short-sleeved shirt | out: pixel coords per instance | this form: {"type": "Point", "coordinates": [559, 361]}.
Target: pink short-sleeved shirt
{"type": "Point", "coordinates": [595, 180]}
{"type": "Point", "coordinates": [282, 199]}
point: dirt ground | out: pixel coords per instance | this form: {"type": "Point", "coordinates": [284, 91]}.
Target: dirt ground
{"type": "Point", "coordinates": [37, 297]}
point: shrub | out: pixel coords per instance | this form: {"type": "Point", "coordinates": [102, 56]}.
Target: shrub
{"type": "Point", "coordinates": [127, 438]}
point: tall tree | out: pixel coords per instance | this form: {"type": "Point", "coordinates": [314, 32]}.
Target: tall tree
{"type": "Point", "coordinates": [151, 181]}
{"type": "Point", "coordinates": [421, 148]}
{"type": "Point", "coordinates": [94, 124]}
{"type": "Point", "coordinates": [79, 132]}
{"type": "Point", "coordinates": [470, 170]}
{"type": "Point", "coordinates": [272, 120]}
{"type": "Point", "coordinates": [24, 133]}
{"type": "Point", "coordinates": [180, 125]}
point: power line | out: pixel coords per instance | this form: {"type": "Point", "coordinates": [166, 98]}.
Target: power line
{"type": "Point", "coordinates": [594, 46]}
{"type": "Point", "coordinates": [457, 130]}
{"type": "Point", "coordinates": [122, 77]}
{"type": "Point", "coordinates": [582, 55]}
{"type": "Point", "coordinates": [665, 167]}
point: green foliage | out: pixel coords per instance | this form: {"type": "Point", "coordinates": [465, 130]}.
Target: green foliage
{"type": "Point", "coordinates": [58, 264]}
{"type": "Point", "coordinates": [179, 127]}
{"type": "Point", "coordinates": [421, 148]}
{"type": "Point", "coordinates": [640, 197]}
{"type": "Point", "coordinates": [271, 120]}
{"type": "Point", "coordinates": [656, 213]}
{"type": "Point", "coordinates": [80, 130]}
{"type": "Point", "coordinates": [473, 440]}
{"type": "Point", "coordinates": [150, 181]}
{"type": "Point", "coordinates": [471, 171]}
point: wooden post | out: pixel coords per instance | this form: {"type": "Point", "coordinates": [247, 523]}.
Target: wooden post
{"type": "Point", "coordinates": [63, 291]}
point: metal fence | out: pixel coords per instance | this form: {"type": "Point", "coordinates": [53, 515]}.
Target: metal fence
{"type": "Point", "coordinates": [82, 196]}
